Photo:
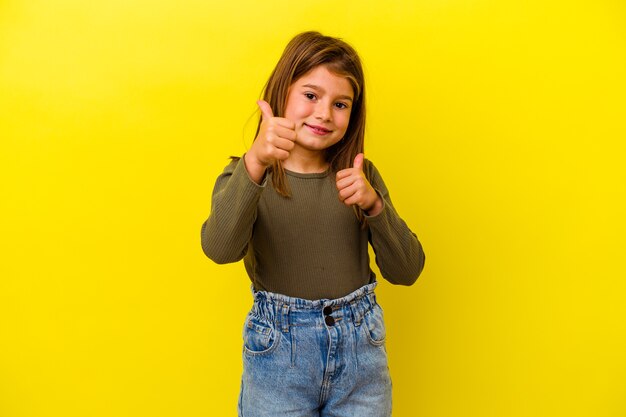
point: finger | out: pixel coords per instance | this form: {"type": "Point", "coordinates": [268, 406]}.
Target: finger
{"type": "Point", "coordinates": [284, 144]}
{"type": "Point", "coordinates": [358, 161]}
{"type": "Point", "coordinates": [281, 121]}
{"type": "Point", "coordinates": [347, 192]}
{"type": "Point", "coordinates": [345, 182]}
{"type": "Point", "coordinates": [344, 173]}
{"type": "Point", "coordinates": [282, 154]}
{"type": "Point", "coordinates": [351, 201]}
{"type": "Point", "coordinates": [266, 109]}
{"type": "Point", "coordinates": [285, 132]}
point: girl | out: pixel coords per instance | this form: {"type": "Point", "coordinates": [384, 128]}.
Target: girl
{"type": "Point", "coordinates": [300, 208]}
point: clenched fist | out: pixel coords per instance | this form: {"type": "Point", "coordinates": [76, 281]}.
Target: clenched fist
{"type": "Point", "coordinates": [355, 189]}
{"type": "Point", "coordinates": [275, 140]}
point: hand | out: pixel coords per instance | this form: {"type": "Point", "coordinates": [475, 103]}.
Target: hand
{"type": "Point", "coordinates": [275, 139]}
{"type": "Point", "coordinates": [355, 189]}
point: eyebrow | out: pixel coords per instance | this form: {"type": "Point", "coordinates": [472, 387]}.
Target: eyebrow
{"type": "Point", "coordinates": [318, 88]}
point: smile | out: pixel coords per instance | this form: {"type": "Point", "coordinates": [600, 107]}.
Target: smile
{"type": "Point", "coordinates": [318, 130]}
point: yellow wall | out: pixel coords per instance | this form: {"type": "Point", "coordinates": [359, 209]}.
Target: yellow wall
{"type": "Point", "coordinates": [498, 126]}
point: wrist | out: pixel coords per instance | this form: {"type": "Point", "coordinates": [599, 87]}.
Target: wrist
{"type": "Point", "coordinates": [256, 169]}
{"type": "Point", "coordinates": [375, 208]}
{"type": "Point", "coordinates": [252, 159]}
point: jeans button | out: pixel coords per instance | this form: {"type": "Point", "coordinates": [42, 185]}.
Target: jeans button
{"type": "Point", "coordinates": [329, 320]}
{"type": "Point", "coordinates": [327, 310]}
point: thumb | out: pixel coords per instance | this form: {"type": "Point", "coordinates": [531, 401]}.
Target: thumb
{"type": "Point", "coordinates": [358, 161]}
{"type": "Point", "coordinates": [266, 109]}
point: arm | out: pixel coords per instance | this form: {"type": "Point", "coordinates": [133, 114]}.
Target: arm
{"type": "Point", "coordinates": [399, 254]}
{"type": "Point", "coordinates": [227, 231]}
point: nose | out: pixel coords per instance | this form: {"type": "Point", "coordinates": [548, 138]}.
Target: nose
{"type": "Point", "coordinates": [323, 111]}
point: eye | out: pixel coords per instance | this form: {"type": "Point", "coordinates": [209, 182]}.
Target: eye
{"type": "Point", "coordinates": [341, 105]}
{"type": "Point", "coordinates": [310, 96]}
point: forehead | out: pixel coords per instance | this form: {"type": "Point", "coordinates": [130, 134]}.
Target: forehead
{"type": "Point", "coordinates": [325, 80]}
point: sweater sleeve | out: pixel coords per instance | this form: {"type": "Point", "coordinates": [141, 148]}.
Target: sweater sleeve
{"type": "Point", "coordinates": [398, 252]}
{"type": "Point", "coordinates": [227, 231]}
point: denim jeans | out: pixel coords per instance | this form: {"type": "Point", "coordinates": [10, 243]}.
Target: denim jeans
{"type": "Point", "coordinates": [322, 358]}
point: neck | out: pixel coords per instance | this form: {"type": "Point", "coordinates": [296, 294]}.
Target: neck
{"type": "Point", "coordinates": [305, 162]}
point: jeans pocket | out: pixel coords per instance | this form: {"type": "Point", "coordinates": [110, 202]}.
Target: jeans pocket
{"type": "Point", "coordinates": [375, 326]}
{"type": "Point", "coordinates": [260, 336]}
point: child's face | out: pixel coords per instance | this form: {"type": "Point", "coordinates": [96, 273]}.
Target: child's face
{"type": "Point", "coordinates": [319, 103]}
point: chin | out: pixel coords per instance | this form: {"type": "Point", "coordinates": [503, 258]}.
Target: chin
{"type": "Point", "coordinates": [316, 143]}
{"type": "Point", "coordinates": [319, 147]}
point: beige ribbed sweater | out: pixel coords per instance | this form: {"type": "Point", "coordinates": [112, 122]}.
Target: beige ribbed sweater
{"type": "Point", "coordinates": [309, 245]}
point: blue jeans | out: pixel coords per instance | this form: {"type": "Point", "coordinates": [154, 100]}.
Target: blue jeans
{"type": "Point", "coordinates": [322, 358]}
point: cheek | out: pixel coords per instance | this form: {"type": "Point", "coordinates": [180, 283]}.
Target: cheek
{"type": "Point", "coordinates": [292, 107]}
{"type": "Point", "coordinates": [343, 121]}
{"type": "Point", "coordinates": [296, 111]}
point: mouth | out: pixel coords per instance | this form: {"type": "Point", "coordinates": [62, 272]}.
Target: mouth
{"type": "Point", "coordinates": [318, 130]}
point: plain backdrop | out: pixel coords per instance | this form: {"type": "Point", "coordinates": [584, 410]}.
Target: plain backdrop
{"type": "Point", "coordinates": [498, 126]}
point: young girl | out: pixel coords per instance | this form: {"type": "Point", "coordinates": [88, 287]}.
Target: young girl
{"type": "Point", "coordinates": [300, 208]}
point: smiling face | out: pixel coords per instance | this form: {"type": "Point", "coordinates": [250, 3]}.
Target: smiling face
{"type": "Point", "coordinates": [319, 103]}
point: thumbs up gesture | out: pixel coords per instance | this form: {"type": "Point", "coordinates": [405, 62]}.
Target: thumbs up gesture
{"type": "Point", "coordinates": [355, 189]}
{"type": "Point", "coordinates": [275, 140]}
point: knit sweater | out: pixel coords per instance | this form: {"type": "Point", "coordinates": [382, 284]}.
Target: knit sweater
{"type": "Point", "coordinates": [309, 245]}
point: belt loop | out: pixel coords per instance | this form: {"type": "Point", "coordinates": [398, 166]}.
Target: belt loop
{"type": "Point", "coordinates": [285, 318]}
{"type": "Point", "coordinates": [371, 298]}
{"type": "Point", "coordinates": [356, 314]}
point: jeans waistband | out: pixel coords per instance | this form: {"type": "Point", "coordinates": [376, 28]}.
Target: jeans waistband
{"type": "Point", "coordinates": [288, 311]}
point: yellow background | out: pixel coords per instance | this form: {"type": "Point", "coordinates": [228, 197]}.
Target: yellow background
{"type": "Point", "coordinates": [499, 127]}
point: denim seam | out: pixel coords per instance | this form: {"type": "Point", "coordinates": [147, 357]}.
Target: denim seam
{"type": "Point", "coordinates": [293, 348]}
